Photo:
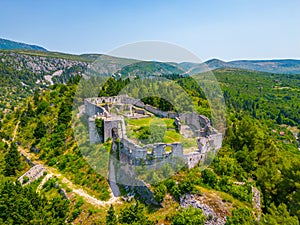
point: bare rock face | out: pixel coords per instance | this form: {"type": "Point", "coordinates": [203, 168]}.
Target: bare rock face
{"type": "Point", "coordinates": [48, 67]}
{"type": "Point", "coordinates": [39, 64]}
{"type": "Point", "coordinates": [212, 217]}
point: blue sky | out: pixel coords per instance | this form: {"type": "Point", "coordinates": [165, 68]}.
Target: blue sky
{"type": "Point", "coordinates": [224, 29]}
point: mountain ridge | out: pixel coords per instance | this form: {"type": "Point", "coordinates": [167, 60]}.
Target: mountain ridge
{"type": "Point", "coordinates": [279, 66]}
{"type": "Point", "coordinates": [6, 44]}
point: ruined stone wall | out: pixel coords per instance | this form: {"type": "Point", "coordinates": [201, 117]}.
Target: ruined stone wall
{"type": "Point", "coordinates": [193, 159]}
{"type": "Point", "coordinates": [140, 111]}
{"type": "Point", "coordinates": [91, 109]}
{"type": "Point", "coordinates": [202, 144]}
{"type": "Point", "coordinates": [217, 138]}
{"type": "Point", "coordinates": [132, 101]}
{"type": "Point", "coordinates": [177, 123]}
{"type": "Point", "coordinates": [152, 153]}
{"type": "Point", "coordinates": [132, 150]}
{"type": "Point", "coordinates": [158, 151]}
{"type": "Point", "coordinates": [93, 133]}
{"type": "Point", "coordinates": [192, 120]}
{"type": "Point", "coordinates": [199, 124]}
{"type": "Point", "coordinates": [177, 149]}
{"type": "Point", "coordinates": [157, 112]}
{"type": "Point", "coordinates": [212, 142]}
{"type": "Point", "coordinates": [112, 99]}
{"type": "Point", "coordinates": [204, 121]}
{"type": "Point", "coordinates": [138, 103]}
{"type": "Point", "coordinates": [133, 154]}
{"type": "Point", "coordinates": [110, 126]}
{"type": "Point", "coordinates": [33, 174]}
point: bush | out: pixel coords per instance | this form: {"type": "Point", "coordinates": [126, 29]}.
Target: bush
{"type": "Point", "coordinates": [189, 216]}
{"type": "Point", "coordinates": [25, 180]}
{"type": "Point", "coordinates": [52, 162]}
{"type": "Point", "coordinates": [79, 203]}
{"type": "Point", "coordinates": [160, 193]}
{"type": "Point", "coordinates": [240, 216]}
{"type": "Point", "coordinates": [75, 214]}
{"type": "Point", "coordinates": [186, 186]}
{"type": "Point", "coordinates": [209, 178]}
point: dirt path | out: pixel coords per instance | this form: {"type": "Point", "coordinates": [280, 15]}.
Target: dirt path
{"type": "Point", "coordinates": [90, 199]}
{"type": "Point", "coordinates": [15, 131]}
{"type": "Point", "coordinates": [54, 172]}
{"type": "Point", "coordinates": [74, 188]}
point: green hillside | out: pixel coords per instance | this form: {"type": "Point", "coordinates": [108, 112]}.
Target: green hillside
{"type": "Point", "coordinates": [259, 150]}
{"type": "Point", "coordinates": [148, 69]}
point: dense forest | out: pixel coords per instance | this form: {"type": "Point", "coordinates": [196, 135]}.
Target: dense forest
{"type": "Point", "coordinates": [259, 150]}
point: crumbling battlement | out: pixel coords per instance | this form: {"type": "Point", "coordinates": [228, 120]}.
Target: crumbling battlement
{"type": "Point", "coordinates": [135, 154]}
{"type": "Point", "coordinates": [92, 105]}
{"type": "Point", "coordinates": [198, 124]}
{"type": "Point", "coordinates": [213, 141]}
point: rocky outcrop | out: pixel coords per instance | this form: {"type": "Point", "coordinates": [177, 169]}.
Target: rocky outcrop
{"type": "Point", "coordinates": [39, 64]}
{"type": "Point", "coordinates": [212, 217]}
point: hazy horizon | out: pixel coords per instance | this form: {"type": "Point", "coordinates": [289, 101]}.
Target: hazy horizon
{"type": "Point", "coordinates": [105, 53]}
{"type": "Point", "coordinates": [231, 30]}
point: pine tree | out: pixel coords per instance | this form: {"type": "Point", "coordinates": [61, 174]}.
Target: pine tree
{"type": "Point", "coordinates": [30, 112]}
{"type": "Point", "coordinates": [111, 218]}
{"type": "Point", "coordinates": [36, 97]}
{"type": "Point", "coordinates": [12, 161]}
{"type": "Point", "coordinates": [40, 130]}
{"type": "Point", "coordinates": [160, 193]}
{"type": "Point", "coordinates": [134, 214]}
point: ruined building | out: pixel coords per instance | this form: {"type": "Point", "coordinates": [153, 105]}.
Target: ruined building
{"type": "Point", "coordinates": [112, 111]}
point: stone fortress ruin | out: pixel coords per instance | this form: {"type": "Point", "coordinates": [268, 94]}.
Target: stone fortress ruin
{"type": "Point", "coordinates": [113, 110]}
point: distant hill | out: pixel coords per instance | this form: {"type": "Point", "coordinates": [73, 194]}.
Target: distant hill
{"type": "Point", "coordinates": [124, 66]}
{"type": "Point", "coordinates": [12, 45]}
{"type": "Point", "coordinates": [194, 68]}
{"type": "Point", "coordinates": [284, 66]}
{"type": "Point", "coordinates": [149, 68]}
